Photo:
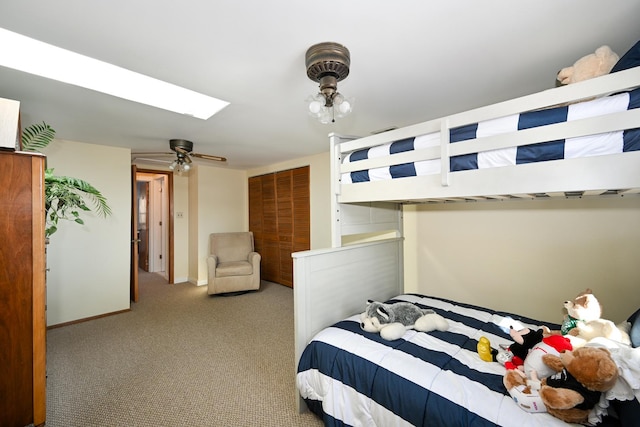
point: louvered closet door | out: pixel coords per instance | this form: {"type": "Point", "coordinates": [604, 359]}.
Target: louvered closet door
{"type": "Point", "coordinates": [269, 248]}
{"type": "Point", "coordinates": [285, 226]}
{"type": "Point", "coordinates": [279, 218]}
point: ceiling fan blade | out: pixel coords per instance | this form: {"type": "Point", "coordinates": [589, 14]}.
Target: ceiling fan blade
{"type": "Point", "coordinates": [209, 157]}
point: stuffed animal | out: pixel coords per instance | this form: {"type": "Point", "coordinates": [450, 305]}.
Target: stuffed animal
{"type": "Point", "coordinates": [593, 65]}
{"type": "Point", "coordinates": [583, 322]}
{"type": "Point", "coordinates": [512, 356]}
{"type": "Point", "coordinates": [393, 320]}
{"type": "Point", "coordinates": [585, 307]}
{"type": "Point", "coordinates": [524, 391]}
{"type": "Point", "coordinates": [524, 341]}
{"type": "Point", "coordinates": [582, 375]}
{"type": "Point", "coordinates": [522, 379]}
{"type": "Point", "coordinates": [533, 363]}
{"type": "Point", "coordinates": [585, 332]}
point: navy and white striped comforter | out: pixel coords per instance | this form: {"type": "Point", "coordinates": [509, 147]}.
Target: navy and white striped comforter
{"type": "Point", "coordinates": [355, 378]}
{"type": "Point", "coordinates": [593, 145]}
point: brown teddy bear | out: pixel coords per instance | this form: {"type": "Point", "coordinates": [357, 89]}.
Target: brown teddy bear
{"type": "Point", "coordinates": [593, 65]}
{"type": "Point", "coordinates": [582, 376]}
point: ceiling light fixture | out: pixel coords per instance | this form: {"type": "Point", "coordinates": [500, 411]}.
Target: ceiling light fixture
{"type": "Point", "coordinates": [180, 165]}
{"type": "Point", "coordinates": [35, 57]}
{"type": "Point", "coordinates": [328, 63]}
{"type": "Point", "coordinates": [182, 147]}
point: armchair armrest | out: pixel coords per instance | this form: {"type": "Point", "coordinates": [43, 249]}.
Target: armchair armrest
{"type": "Point", "coordinates": [254, 258]}
{"type": "Point", "coordinates": [212, 262]}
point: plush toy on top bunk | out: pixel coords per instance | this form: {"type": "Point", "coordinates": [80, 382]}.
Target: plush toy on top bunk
{"type": "Point", "coordinates": [393, 320]}
{"type": "Point", "coordinates": [593, 65]}
{"type": "Point", "coordinates": [583, 322]}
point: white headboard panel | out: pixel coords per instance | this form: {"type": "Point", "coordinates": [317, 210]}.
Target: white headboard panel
{"type": "Point", "coordinates": [332, 284]}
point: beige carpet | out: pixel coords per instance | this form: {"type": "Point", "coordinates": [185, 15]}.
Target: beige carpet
{"type": "Point", "coordinates": [179, 358]}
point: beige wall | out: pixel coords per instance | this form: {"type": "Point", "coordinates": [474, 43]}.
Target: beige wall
{"type": "Point", "coordinates": [320, 192]}
{"type": "Point", "coordinates": [89, 264]}
{"type": "Point", "coordinates": [180, 228]}
{"type": "Point", "coordinates": [527, 257]}
{"type": "Point", "coordinates": [220, 203]}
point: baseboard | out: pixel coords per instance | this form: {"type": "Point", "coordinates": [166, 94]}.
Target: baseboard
{"type": "Point", "coordinates": [86, 319]}
{"type": "Point", "coordinates": [198, 282]}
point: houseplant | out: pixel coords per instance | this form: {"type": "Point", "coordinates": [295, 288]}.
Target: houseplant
{"type": "Point", "coordinates": [65, 197]}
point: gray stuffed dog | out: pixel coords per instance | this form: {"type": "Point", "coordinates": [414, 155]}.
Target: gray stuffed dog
{"type": "Point", "coordinates": [393, 320]}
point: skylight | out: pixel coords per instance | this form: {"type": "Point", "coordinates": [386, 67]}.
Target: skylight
{"type": "Point", "coordinates": [34, 57]}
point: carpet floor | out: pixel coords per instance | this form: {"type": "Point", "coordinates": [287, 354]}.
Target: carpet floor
{"type": "Point", "coordinates": [178, 358]}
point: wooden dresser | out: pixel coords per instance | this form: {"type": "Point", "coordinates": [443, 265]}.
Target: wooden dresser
{"type": "Point", "coordinates": [22, 290]}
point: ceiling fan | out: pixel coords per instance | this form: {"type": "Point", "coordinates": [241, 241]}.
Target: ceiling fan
{"type": "Point", "coordinates": [183, 152]}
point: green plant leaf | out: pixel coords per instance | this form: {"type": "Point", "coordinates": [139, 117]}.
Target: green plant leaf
{"type": "Point", "coordinates": [64, 196]}
{"type": "Point", "coordinates": [37, 136]}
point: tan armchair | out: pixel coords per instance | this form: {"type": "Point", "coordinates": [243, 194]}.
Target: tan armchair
{"type": "Point", "coordinates": [233, 265]}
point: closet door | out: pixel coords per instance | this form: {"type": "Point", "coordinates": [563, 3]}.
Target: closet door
{"type": "Point", "coordinates": [279, 219]}
{"type": "Point", "coordinates": [301, 201]}
{"type": "Point", "coordinates": [269, 245]}
{"type": "Point", "coordinates": [285, 226]}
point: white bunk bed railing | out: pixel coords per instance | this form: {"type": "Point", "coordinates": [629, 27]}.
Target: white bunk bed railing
{"type": "Point", "coordinates": [612, 83]}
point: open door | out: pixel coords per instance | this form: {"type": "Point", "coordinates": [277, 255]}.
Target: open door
{"type": "Point", "coordinates": [134, 235]}
{"type": "Point", "coordinates": [167, 209]}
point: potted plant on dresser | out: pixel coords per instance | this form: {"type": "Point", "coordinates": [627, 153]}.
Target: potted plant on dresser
{"type": "Point", "coordinates": [65, 197]}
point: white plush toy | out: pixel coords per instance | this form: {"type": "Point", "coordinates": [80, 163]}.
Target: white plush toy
{"type": "Point", "coordinates": [393, 320]}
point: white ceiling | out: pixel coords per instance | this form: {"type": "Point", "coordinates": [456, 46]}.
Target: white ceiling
{"type": "Point", "coordinates": [411, 60]}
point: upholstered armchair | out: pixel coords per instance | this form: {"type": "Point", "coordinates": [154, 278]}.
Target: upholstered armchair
{"type": "Point", "coordinates": [233, 265]}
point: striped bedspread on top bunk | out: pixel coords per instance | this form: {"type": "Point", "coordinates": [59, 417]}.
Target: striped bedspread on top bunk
{"type": "Point", "coordinates": [593, 145]}
{"type": "Point", "coordinates": [356, 378]}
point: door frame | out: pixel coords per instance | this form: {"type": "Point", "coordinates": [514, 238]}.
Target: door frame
{"type": "Point", "coordinates": [134, 229]}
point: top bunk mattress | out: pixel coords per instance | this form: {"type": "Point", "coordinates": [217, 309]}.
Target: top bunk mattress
{"type": "Point", "coordinates": [574, 147]}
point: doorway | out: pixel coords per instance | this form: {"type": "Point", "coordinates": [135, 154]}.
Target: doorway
{"type": "Point", "coordinates": [152, 225]}
{"type": "Point", "coordinates": [153, 222]}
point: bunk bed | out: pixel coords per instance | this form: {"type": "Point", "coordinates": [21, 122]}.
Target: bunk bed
{"type": "Point", "coordinates": [491, 153]}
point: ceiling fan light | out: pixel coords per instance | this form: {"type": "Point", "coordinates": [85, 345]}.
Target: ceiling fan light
{"type": "Point", "coordinates": [314, 107]}
{"type": "Point", "coordinates": [328, 63]}
{"type": "Point", "coordinates": [343, 107]}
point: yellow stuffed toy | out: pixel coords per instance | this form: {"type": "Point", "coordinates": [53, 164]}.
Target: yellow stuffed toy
{"type": "Point", "coordinates": [593, 65]}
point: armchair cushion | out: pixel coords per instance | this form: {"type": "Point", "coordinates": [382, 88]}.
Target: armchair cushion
{"type": "Point", "coordinates": [234, 268]}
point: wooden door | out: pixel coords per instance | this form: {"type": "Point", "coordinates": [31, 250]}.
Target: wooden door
{"type": "Point", "coordinates": [269, 249]}
{"type": "Point", "coordinates": [284, 202]}
{"type": "Point", "coordinates": [301, 201]}
{"type": "Point", "coordinates": [133, 281]}
{"type": "Point", "coordinates": [279, 216]}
